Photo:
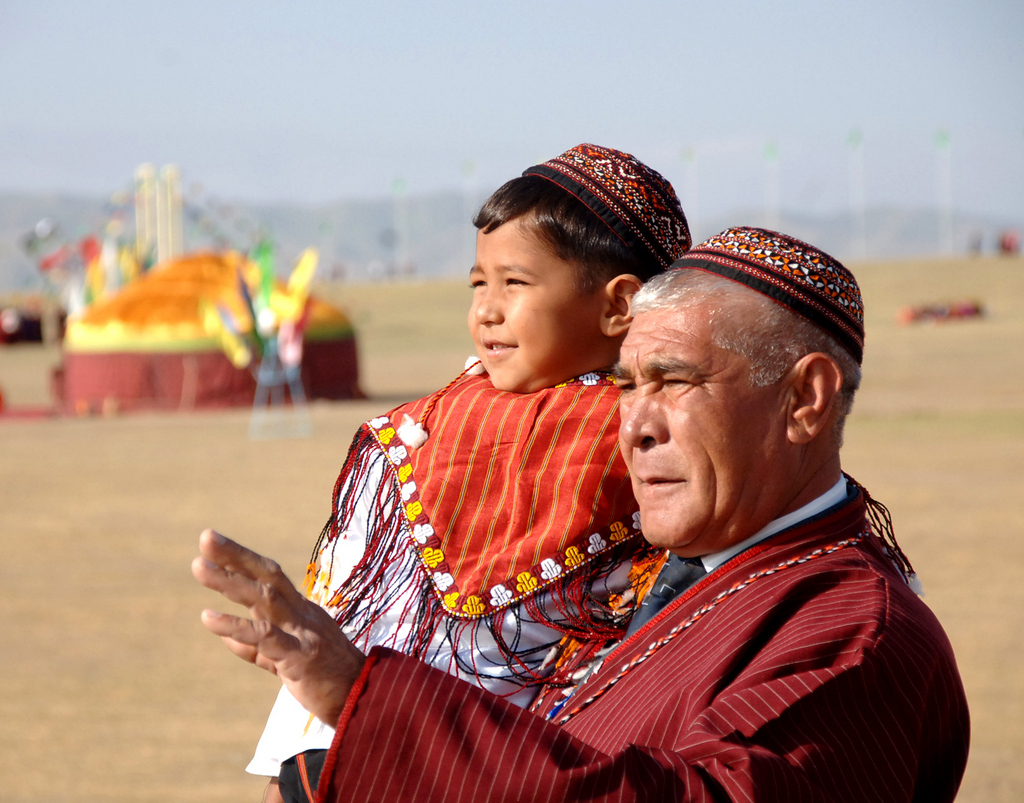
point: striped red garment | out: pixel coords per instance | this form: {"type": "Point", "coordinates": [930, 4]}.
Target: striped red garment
{"type": "Point", "coordinates": [827, 680]}
{"type": "Point", "coordinates": [511, 479]}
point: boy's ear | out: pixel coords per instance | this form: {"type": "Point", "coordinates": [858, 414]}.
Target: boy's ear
{"type": "Point", "coordinates": [618, 293]}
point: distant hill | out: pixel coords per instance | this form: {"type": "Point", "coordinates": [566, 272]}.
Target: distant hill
{"type": "Point", "coordinates": [432, 236]}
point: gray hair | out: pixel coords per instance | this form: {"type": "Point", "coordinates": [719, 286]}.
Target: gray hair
{"type": "Point", "coordinates": [770, 336]}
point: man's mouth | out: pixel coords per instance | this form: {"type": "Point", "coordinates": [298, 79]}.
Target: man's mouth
{"type": "Point", "coordinates": [657, 481]}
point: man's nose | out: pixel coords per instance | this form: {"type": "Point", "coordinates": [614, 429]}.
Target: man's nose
{"type": "Point", "coordinates": [641, 422]}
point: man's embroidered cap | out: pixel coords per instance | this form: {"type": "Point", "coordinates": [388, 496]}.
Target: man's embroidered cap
{"type": "Point", "coordinates": [634, 201]}
{"type": "Point", "coordinates": [791, 272]}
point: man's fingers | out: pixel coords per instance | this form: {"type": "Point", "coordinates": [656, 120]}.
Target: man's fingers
{"type": "Point", "coordinates": [236, 587]}
{"type": "Point", "coordinates": [243, 576]}
{"type": "Point", "coordinates": [251, 640]}
{"type": "Point", "coordinates": [243, 651]}
{"type": "Point", "coordinates": [222, 624]}
{"type": "Point", "coordinates": [228, 626]}
{"type": "Point", "coordinates": [235, 558]}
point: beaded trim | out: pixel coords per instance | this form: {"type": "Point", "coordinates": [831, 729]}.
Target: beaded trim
{"type": "Point", "coordinates": [701, 612]}
{"type": "Point", "coordinates": [456, 600]}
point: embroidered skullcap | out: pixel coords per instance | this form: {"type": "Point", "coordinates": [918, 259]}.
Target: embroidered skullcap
{"type": "Point", "coordinates": [791, 272]}
{"type": "Point", "coordinates": [634, 201]}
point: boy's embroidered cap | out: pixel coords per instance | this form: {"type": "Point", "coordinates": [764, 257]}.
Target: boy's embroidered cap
{"type": "Point", "coordinates": [791, 272]}
{"type": "Point", "coordinates": [634, 201]}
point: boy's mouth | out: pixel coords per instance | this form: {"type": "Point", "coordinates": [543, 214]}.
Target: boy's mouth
{"type": "Point", "coordinates": [497, 348]}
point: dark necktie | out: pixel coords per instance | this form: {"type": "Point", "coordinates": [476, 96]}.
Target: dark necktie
{"type": "Point", "coordinates": [677, 575]}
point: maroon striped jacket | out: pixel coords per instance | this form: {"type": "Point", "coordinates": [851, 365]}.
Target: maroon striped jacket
{"type": "Point", "coordinates": [802, 670]}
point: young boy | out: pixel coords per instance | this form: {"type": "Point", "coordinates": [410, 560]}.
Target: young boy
{"type": "Point", "coordinates": [483, 525]}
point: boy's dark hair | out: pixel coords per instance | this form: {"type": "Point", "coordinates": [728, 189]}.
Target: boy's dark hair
{"type": "Point", "coordinates": [573, 232]}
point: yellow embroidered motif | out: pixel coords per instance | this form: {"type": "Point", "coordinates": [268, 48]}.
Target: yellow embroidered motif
{"type": "Point", "coordinates": [451, 599]}
{"type": "Point", "coordinates": [526, 582]}
{"type": "Point", "coordinates": [432, 556]}
{"type": "Point", "coordinates": [474, 606]}
{"type": "Point", "coordinates": [413, 510]}
{"type": "Point", "coordinates": [386, 435]}
{"type": "Point", "coordinates": [573, 557]}
{"type": "Point", "coordinates": [317, 584]}
{"type": "Point", "coordinates": [404, 473]}
{"type": "Point", "coordinates": [618, 531]}
{"type": "Point", "coordinates": [310, 579]}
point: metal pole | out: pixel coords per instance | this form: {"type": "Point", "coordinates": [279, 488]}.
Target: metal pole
{"type": "Point", "coordinates": [944, 188]}
{"type": "Point", "coordinates": [691, 188]}
{"type": "Point", "coordinates": [772, 200]}
{"type": "Point", "coordinates": [857, 200]}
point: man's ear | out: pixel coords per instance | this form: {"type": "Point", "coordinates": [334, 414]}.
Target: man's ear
{"type": "Point", "coordinates": [814, 385]}
{"type": "Point", "coordinates": [617, 294]}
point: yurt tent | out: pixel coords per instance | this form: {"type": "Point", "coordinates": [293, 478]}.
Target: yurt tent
{"type": "Point", "coordinates": [152, 344]}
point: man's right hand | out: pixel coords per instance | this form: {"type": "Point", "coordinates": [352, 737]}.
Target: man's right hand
{"type": "Point", "coordinates": [288, 635]}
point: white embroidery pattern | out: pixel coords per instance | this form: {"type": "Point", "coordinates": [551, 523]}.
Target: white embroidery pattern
{"type": "Point", "coordinates": [422, 532]}
{"type": "Point", "coordinates": [500, 595]}
{"type": "Point", "coordinates": [549, 569]}
{"type": "Point", "coordinates": [396, 454]}
{"type": "Point", "coordinates": [597, 543]}
{"type": "Point", "coordinates": [443, 580]}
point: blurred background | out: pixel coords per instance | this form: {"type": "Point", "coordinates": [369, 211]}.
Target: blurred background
{"type": "Point", "coordinates": [373, 131]}
{"type": "Point", "coordinates": [190, 190]}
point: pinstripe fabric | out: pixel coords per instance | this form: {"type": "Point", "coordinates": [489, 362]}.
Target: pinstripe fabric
{"type": "Point", "coordinates": [511, 479]}
{"type": "Point", "coordinates": [828, 681]}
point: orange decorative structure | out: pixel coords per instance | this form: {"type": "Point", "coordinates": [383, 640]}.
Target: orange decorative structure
{"type": "Point", "coordinates": [151, 346]}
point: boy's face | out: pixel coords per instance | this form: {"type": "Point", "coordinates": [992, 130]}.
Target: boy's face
{"type": "Point", "coordinates": [531, 327]}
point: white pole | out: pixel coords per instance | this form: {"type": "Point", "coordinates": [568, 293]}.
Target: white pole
{"type": "Point", "coordinates": [171, 177]}
{"type": "Point", "coordinates": [944, 187]}
{"type": "Point", "coordinates": [772, 200]}
{"type": "Point", "coordinates": [857, 200]}
{"type": "Point", "coordinates": [145, 213]}
{"type": "Point", "coordinates": [163, 228]}
{"type": "Point", "coordinates": [400, 224]}
{"type": "Point", "coordinates": [691, 189]}
{"type": "Point", "coordinates": [468, 211]}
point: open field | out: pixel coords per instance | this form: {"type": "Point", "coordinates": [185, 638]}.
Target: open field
{"type": "Point", "coordinates": [112, 691]}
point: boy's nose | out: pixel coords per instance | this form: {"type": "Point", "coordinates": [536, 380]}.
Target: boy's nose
{"type": "Point", "coordinates": [487, 310]}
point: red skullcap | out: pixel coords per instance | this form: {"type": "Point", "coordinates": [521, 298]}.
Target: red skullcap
{"type": "Point", "coordinates": [791, 272]}
{"type": "Point", "coordinates": [634, 201]}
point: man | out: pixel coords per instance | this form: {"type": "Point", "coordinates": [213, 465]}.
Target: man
{"type": "Point", "coordinates": [781, 654]}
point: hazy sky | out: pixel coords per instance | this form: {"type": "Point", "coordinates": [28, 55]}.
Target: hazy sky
{"type": "Point", "coordinates": [311, 101]}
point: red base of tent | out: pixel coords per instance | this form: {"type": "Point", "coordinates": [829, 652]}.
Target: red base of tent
{"type": "Point", "coordinates": [92, 383]}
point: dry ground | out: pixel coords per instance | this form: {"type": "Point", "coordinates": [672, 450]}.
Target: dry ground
{"type": "Point", "coordinates": [112, 691]}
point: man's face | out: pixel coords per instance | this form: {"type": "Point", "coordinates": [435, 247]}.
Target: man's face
{"type": "Point", "coordinates": [704, 448]}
